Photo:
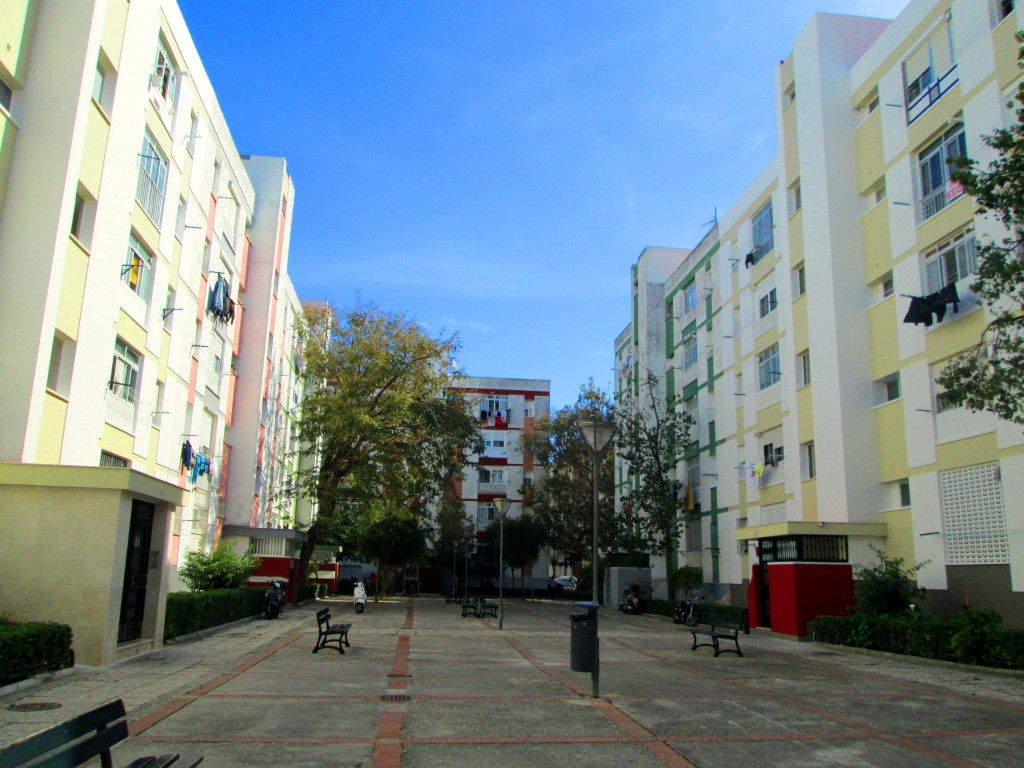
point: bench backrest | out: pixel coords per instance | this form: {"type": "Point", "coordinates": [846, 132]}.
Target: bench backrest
{"type": "Point", "coordinates": [72, 743]}
{"type": "Point", "coordinates": [323, 616]}
{"type": "Point", "coordinates": [724, 621]}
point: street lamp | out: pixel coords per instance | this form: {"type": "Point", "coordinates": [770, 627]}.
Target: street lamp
{"type": "Point", "coordinates": [598, 434]}
{"type": "Point", "coordinates": [502, 504]}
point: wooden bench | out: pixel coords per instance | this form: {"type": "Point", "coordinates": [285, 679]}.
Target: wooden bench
{"type": "Point", "coordinates": [328, 630]}
{"type": "Point", "coordinates": [722, 627]}
{"type": "Point", "coordinates": [471, 607]}
{"type": "Point", "coordinates": [82, 738]}
{"type": "Point", "coordinates": [487, 609]}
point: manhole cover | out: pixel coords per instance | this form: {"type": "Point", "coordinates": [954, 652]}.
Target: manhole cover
{"type": "Point", "coordinates": [394, 697]}
{"type": "Point", "coordinates": [34, 706]}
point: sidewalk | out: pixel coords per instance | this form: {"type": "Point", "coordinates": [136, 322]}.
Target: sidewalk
{"type": "Point", "coordinates": [421, 686]}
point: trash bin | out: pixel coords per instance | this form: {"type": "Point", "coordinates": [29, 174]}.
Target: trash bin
{"type": "Point", "coordinates": [583, 638]}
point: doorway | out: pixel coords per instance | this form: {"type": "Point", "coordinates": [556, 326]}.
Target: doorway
{"type": "Point", "coordinates": [136, 572]}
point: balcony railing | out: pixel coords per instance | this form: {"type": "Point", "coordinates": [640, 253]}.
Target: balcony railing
{"type": "Point", "coordinates": [773, 475]}
{"type": "Point", "coordinates": [938, 199]}
{"type": "Point", "coordinates": [497, 489]}
{"type": "Point", "coordinates": [932, 94]}
{"type": "Point", "coordinates": [150, 197]}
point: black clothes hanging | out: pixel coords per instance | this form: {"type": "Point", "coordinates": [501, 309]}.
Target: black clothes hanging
{"type": "Point", "coordinates": [932, 308]}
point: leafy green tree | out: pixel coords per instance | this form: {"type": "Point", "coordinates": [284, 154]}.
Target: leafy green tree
{"type": "Point", "coordinates": [378, 419]}
{"type": "Point", "coordinates": [987, 377]}
{"type": "Point", "coordinates": [887, 587]}
{"type": "Point", "coordinates": [649, 436]}
{"type": "Point", "coordinates": [524, 539]}
{"type": "Point", "coordinates": [452, 528]}
{"type": "Point", "coordinates": [221, 569]}
{"type": "Point", "coordinates": [392, 535]}
{"type": "Point", "coordinates": [563, 501]}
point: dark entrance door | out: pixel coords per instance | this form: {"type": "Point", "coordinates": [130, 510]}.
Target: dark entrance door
{"type": "Point", "coordinates": [136, 572]}
{"type": "Point", "coordinates": [766, 601]}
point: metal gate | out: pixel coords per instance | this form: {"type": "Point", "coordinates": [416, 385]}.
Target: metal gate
{"type": "Point", "coordinates": [136, 572]}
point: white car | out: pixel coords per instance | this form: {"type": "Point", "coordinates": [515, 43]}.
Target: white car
{"type": "Point", "coordinates": [568, 583]}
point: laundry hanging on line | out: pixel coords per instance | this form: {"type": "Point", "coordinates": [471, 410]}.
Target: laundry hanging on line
{"type": "Point", "coordinates": [931, 309]}
{"type": "Point", "coordinates": [219, 302]}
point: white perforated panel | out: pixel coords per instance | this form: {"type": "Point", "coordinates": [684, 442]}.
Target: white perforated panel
{"type": "Point", "coordinates": [974, 515]}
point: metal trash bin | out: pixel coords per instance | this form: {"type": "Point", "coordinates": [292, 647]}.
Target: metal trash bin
{"type": "Point", "coordinates": [583, 638]}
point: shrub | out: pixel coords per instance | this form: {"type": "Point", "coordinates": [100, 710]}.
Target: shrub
{"type": "Point", "coordinates": [307, 592]}
{"type": "Point", "coordinates": [189, 612]}
{"type": "Point", "coordinates": [32, 647]}
{"type": "Point", "coordinates": [221, 569]}
{"type": "Point", "coordinates": [970, 637]}
{"type": "Point", "coordinates": [888, 587]}
{"type": "Point", "coordinates": [687, 578]}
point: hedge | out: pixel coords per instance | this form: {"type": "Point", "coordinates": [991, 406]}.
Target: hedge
{"type": "Point", "coordinates": [189, 612]}
{"type": "Point", "coordinates": [970, 637]}
{"type": "Point", "coordinates": [309, 591]}
{"type": "Point", "coordinates": [29, 648]}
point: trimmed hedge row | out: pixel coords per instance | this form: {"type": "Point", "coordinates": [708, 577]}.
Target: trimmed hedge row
{"type": "Point", "coordinates": [970, 637]}
{"type": "Point", "coordinates": [189, 612]}
{"type": "Point", "coordinates": [28, 648]}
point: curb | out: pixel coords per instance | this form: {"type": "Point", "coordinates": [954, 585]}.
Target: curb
{"type": "Point", "coordinates": [32, 682]}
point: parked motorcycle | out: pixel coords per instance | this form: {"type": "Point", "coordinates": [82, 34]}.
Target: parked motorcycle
{"type": "Point", "coordinates": [359, 594]}
{"type": "Point", "coordinates": [632, 600]}
{"type": "Point", "coordinates": [273, 600]}
{"type": "Point", "coordinates": [688, 611]}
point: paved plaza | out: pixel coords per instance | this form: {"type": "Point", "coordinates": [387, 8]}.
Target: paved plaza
{"type": "Point", "coordinates": [423, 687]}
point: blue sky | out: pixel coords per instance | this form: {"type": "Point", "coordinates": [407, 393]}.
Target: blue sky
{"type": "Point", "coordinates": [494, 168]}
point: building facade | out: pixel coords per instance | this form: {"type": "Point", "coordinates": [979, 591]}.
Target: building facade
{"type": "Point", "coordinates": [503, 469]}
{"type": "Point", "coordinates": [126, 225]}
{"type": "Point", "coordinates": [822, 432]}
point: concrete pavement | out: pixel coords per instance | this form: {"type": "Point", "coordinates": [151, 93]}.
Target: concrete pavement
{"type": "Point", "coordinates": [423, 687]}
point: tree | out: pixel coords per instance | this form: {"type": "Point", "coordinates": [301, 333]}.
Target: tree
{"type": "Point", "coordinates": [987, 377]}
{"type": "Point", "coordinates": [649, 436]}
{"type": "Point", "coordinates": [452, 529]}
{"type": "Point", "coordinates": [378, 419]}
{"type": "Point", "coordinates": [221, 569]}
{"type": "Point", "coordinates": [392, 535]}
{"type": "Point", "coordinates": [524, 538]}
{"type": "Point", "coordinates": [563, 502]}
{"type": "Point", "coordinates": [887, 587]}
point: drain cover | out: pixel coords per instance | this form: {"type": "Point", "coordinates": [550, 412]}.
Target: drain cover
{"type": "Point", "coordinates": [34, 706]}
{"type": "Point", "coordinates": [398, 674]}
{"type": "Point", "coordinates": [394, 697]}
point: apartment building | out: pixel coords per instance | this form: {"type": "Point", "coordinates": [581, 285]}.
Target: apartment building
{"type": "Point", "coordinates": [829, 436]}
{"type": "Point", "coordinates": [503, 470]}
{"type": "Point", "coordinates": [126, 226]}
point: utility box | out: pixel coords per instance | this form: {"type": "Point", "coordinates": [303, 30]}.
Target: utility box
{"type": "Point", "coordinates": [583, 638]}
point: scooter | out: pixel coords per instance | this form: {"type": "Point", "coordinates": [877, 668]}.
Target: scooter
{"type": "Point", "coordinates": [273, 600]}
{"type": "Point", "coordinates": [688, 611]}
{"type": "Point", "coordinates": [359, 594]}
{"type": "Point", "coordinates": [632, 601]}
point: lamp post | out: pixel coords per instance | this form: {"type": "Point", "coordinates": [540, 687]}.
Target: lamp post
{"type": "Point", "coordinates": [502, 504]}
{"type": "Point", "coordinates": [598, 434]}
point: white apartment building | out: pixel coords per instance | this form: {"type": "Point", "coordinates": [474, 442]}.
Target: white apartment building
{"type": "Point", "coordinates": [123, 260]}
{"type": "Point", "coordinates": [830, 435]}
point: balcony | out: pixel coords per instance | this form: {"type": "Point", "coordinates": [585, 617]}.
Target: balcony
{"type": "Point", "coordinates": [773, 475]}
{"type": "Point", "coordinates": [492, 489]}
{"type": "Point", "coordinates": [149, 195]}
{"type": "Point", "coordinates": [938, 199]}
{"type": "Point", "coordinates": [932, 94]}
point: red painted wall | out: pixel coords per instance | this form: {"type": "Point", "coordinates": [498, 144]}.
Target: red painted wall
{"type": "Point", "coordinates": [802, 591]}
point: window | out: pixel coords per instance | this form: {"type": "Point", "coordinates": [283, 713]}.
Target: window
{"type": "Point", "coordinates": [152, 179]}
{"type": "Point", "coordinates": [952, 260]}
{"type": "Point", "coordinates": [485, 513]}
{"type": "Point", "coordinates": [904, 493]}
{"type": "Point", "coordinates": [690, 407]}
{"type": "Point", "coordinates": [796, 200]}
{"type": "Point", "coordinates": [789, 96]}
{"type": "Point", "coordinates": [58, 377]}
{"type": "Point", "coordinates": [165, 74]}
{"type": "Point", "coordinates": [6, 97]}
{"type": "Point", "coordinates": [1004, 8]}
{"type": "Point", "coordinates": [880, 194]}
{"type": "Point", "coordinates": [493, 405]}
{"type": "Point", "coordinates": [124, 372]}
{"type": "Point", "coordinates": [807, 469]}
{"type": "Point", "coordinates": [112, 461]}
{"type": "Point", "coordinates": [103, 85]}
{"type": "Point", "coordinates": [935, 166]}
{"type": "Point", "coordinates": [690, 297]}
{"type": "Point", "coordinates": [799, 281]}
{"type": "Point", "coordinates": [874, 102]}
{"type": "Point", "coordinates": [768, 372]}
{"type": "Point", "coordinates": [767, 303]}
{"type": "Point", "coordinates": [82, 219]}
{"type": "Point", "coordinates": [193, 134]}
{"type": "Point", "coordinates": [690, 351]}
{"type": "Point", "coordinates": [763, 232]}
{"type": "Point", "coordinates": [887, 286]}
{"type": "Point", "coordinates": [774, 455]}
{"type": "Point", "coordinates": [137, 270]}
{"type": "Point", "coordinates": [891, 388]}
{"type": "Point", "coordinates": [803, 369]}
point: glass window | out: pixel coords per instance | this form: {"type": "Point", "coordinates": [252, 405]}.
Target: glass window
{"type": "Point", "coordinates": [165, 74]}
{"type": "Point", "coordinates": [808, 471]}
{"type": "Point", "coordinates": [936, 165]}
{"type": "Point", "coordinates": [768, 372]}
{"type": "Point", "coordinates": [124, 372]}
{"type": "Point", "coordinates": [690, 297]}
{"type": "Point", "coordinates": [149, 192]}
{"type": "Point", "coordinates": [690, 351]}
{"type": "Point", "coordinates": [767, 303]}
{"type": "Point", "coordinates": [137, 270]}
{"type": "Point", "coordinates": [904, 493]}
{"type": "Point", "coordinates": [803, 369]}
{"type": "Point", "coordinates": [763, 232]}
{"type": "Point", "coordinates": [952, 260]}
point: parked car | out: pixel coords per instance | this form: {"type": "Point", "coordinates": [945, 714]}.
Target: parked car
{"type": "Point", "coordinates": [568, 583]}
